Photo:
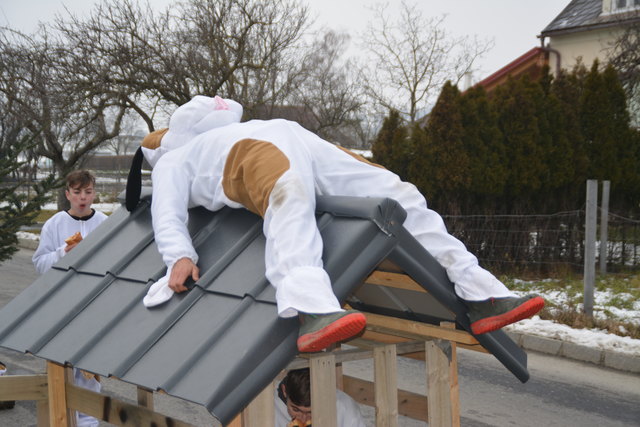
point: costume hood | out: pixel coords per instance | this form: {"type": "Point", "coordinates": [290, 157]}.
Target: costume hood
{"type": "Point", "coordinates": [197, 116]}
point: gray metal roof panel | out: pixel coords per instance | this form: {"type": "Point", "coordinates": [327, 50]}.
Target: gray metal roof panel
{"type": "Point", "coordinates": [222, 342]}
{"type": "Point", "coordinates": [581, 15]}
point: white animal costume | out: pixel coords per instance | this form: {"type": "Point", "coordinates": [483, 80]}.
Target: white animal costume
{"type": "Point", "coordinates": [275, 168]}
{"type": "Point", "coordinates": [50, 250]}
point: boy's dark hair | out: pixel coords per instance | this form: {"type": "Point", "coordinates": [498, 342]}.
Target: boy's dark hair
{"type": "Point", "coordinates": [298, 386]}
{"type": "Point", "coordinates": [80, 179]}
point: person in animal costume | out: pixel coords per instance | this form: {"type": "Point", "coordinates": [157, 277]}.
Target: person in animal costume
{"type": "Point", "coordinates": [275, 168]}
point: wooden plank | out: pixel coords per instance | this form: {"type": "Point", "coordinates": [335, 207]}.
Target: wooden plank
{"type": "Point", "coordinates": [349, 355]}
{"type": "Point", "coordinates": [42, 413]}
{"type": "Point", "coordinates": [386, 385]}
{"type": "Point", "coordinates": [144, 397]}
{"type": "Point", "coordinates": [58, 416]}
{"type": "Point", "coordinates": [23, 387]}
{"type": "Point", "coordinates": [416, 330]}
{"type": "Point", "coordinates": [454, 386]}
{"type": "Point", "coordinates": [438, 393]}
{"type": "Point", "coordinates": [394, 280]}
{"type": "Point", "coordinates": [115, 411]}
{"type": "Point", "coordinates": [323, 390]}
{"type": "Point", "coordinates": [380, 337]}
{"type": "Point", "coordinates": [70, 380]}
{"type": "Point", "coordinates": [412, 405]}
{"type": "Point", "coordinates": [236, 422]}
{"type": "Point", "coordinates": [261, 411]}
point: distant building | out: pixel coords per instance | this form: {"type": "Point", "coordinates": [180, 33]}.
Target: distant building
{"type": "Point", "coordinates": [586, 30]}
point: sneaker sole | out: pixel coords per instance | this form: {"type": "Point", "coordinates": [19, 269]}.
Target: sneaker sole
{"type": "Point", "coordinates": [340, 330]}
{"type": "Point", "coordinates": [523, 311]}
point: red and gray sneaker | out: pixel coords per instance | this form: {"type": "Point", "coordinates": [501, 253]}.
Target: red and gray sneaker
{"type": "Point", "coordinates": [319, 331]}
{"type": "Point", "coordinates": [495, 313]}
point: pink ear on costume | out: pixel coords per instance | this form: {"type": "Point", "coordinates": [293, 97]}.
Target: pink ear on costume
{"type": "Point", "coordinates": [220, 104]}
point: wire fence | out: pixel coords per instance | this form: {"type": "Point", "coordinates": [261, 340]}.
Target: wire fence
{"type": "Point", "coordinates": [543, 244]}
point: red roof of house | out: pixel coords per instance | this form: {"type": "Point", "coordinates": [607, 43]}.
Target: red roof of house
{"type": "Point", "coordinates": [531, 62]}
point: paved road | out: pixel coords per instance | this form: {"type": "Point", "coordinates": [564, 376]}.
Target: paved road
{"type": "Point", "coordinates": [561, 392]}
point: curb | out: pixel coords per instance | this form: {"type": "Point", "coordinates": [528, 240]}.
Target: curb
{"type": "Point", "coordinates": [605, 358]}
{"type": "Point", "coordinates": [558, 348]}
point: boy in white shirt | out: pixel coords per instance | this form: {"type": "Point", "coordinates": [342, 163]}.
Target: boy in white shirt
{"type": "Point", "coordinates": [293, 403]}
{"type": "Point", "coordinates": [83, 219]}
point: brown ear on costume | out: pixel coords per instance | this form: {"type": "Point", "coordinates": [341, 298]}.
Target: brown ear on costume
{"type": "Point", "coordinates": [153, 139]}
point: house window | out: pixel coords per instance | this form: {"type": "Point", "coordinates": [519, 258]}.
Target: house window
{"type": "Point", "coordinates": [625, 5]}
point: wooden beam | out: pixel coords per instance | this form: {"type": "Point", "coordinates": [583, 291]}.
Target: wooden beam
{"type": "Point", "coordinates": [260, 412]}
{"type": "Point", "coordinates": [236, 422]}
{"type": "Point", "coordinates": [454, 386]}
{"type": "Point", "coordinates": [56, 388]}
{"type": "Point", "coordinates": [115, 411]}
{"type": "Point", "coordinates": [23, 387]}
{"type": "Point", "coordinates": [145, 397]}
{"type": "Point", "coordinates": [349, 355]}
{"type": "Point", "coordinates": [416, 330]}
{"type": "Point", "coordinates": [438, 392]}
{"type": "Point", "coordinates": [394, 280]}
{"type": "Point", "coordinates": [42, 413]}
{"type": "Point", "coordinates": [386, 385]}
{"type": "Point", "coordinates": [412, 405]}
{"type": "Point", "coordinates": [323, 390]}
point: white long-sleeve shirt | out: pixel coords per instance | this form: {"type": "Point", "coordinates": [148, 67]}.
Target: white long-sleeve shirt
{"type": "Point", "coordinates": [57, 228]}
{"type": "Point", "coordinates": [347, 410]}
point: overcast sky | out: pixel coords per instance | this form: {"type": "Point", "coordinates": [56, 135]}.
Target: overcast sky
{"type": "Point", "coordinates": [513, 25]}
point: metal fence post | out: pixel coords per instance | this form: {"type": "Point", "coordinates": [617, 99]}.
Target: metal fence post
{"type": "Point", "coordinates": [604, 223]}
{"type": "Point", "coordinates": [590, 245]}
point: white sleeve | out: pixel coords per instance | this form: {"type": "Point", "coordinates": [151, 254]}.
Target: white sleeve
{"type": "Point", "coordinates": [169, 211]}
{"type": "Point", "coordinates": [48, 253]}
{"type": "Point", "coordinates": [349, 414]}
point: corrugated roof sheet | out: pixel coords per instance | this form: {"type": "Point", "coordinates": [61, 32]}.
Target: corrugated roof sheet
{"type": "Point", "coordinates": [581, 15]}
{"type": "Point", "coordinates": [222, 342]}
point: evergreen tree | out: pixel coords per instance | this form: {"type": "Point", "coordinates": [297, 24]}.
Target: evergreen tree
{"type": "Point", "coordinates": [624, 138]}
{"type": "Point", "coordinates": [483, 144]}
{"type": "Point", "coordinates": [610, 142]}
{"type": "Point", "coordinates": [446, 174]}
{"type": "Point", "coordinates": [566, 89]}
{"type": "Point", "coordinates": [517, 102]}
{"type": "Point", "coordinates": [392, 147]}
{"type": "Point", "coordinates": [16, 208]}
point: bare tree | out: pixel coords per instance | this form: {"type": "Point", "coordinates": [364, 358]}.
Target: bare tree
{"type": "Point", "coordinates": [38, 78]}
{"type": "Point", "coordinates": [412, 58]}
{"type": "Point", "coordinates": [328, 89]}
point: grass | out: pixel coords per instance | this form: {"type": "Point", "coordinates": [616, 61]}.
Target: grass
{"type": "Point", "coordinates": [615, 293]}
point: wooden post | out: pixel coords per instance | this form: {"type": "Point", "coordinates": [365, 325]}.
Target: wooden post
{"type": "Point", "coordinates": [386, 385]}
{"type": "Point", "coordinates": [236, 422]}
{"type": "Point", "coordinates": [260, 412]}
{"type": "Point", "coordinates": [59, 414]}
{"type": "Point", "coordinates": [454, 386]}
{"type": "Point", "coordinates": [590, 245]}
{"type": "Point", "coordinates": [438, 390]}
{"type": "Point", "coordinates": [42, 413]}
{"type": "Point", "coordinates": [323, 390]}
{"type": "Point", "coordinates": [145, 398]}
{"type": "Point", "coordinates": [604, 224]}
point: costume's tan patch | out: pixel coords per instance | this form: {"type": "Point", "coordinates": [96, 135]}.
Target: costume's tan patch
{"type": "Point", "coordinates": [250, 172]}
{"type": "Point", "coordinates": [153, 139]}
{"type": "Point", "coordinates": [359, 157]}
